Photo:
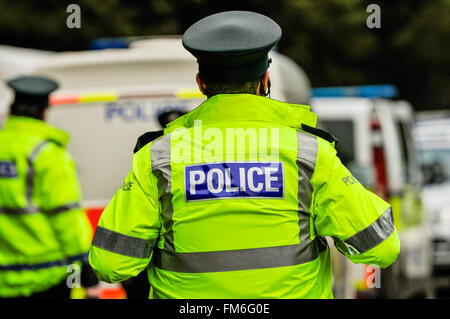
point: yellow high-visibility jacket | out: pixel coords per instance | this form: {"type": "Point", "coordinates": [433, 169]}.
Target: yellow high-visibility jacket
{"type": "Point", "coordinates": [233, 201]}
{"type": "Point", "coordinates": [42, 226]}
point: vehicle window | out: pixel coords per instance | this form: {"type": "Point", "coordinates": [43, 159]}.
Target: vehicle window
{"type": "Point", "coordinates": [436, 165]}
{"type": "Point", "coordinates": [343, 130]}
{"type": "Point", "coordinates": [402, 128]}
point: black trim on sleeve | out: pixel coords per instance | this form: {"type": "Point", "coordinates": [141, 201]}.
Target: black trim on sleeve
{"type": "Point", "coordinates": [146, 138]}
{"type": "Point", "coordinates": [320, 133]}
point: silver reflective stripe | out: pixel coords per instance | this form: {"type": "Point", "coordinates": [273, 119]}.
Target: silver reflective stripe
{"type": "Point", "coordinates": [29, 186]}
{"type": "Point", "coordinates": [371, 236]}
{"type": "Point", "coordinates": [33, 210]}
{"type": "Point", "coordinates": [30, 172]}
{"type": "Point", "coordinates": [307, 147]}
{"type": "Point", "coordinates": [306, 162]}
{"type": "Point", "coordinates": [18, 211]}
{"type": "Point", "coordinates": [63, 208]}
{"type": "Point", "coordinates": [122, 244]}
{"type": "Point", "coordinates": [234, 260]}
{"type": "Point", "coordinates": [160, 160]}
{"type": "Point", "coordinates": [50, 264]}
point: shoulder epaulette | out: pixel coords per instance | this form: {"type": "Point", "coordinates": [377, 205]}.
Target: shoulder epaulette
{"type": "Point", "coordinates": [146, 138]}
{"type": "Point", "coordinates": [320, 133]}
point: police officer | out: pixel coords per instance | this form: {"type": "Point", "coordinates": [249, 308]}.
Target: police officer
{"type": "Point", "coordinates": [42, 226]}
{"type": "Point", "coordinates": [235, 198]}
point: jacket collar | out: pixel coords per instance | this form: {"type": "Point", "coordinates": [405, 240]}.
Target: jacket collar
{"type": "Point", "coordinates": [37, 127]}
{"type": "Point", "coordinates": [246, 107]}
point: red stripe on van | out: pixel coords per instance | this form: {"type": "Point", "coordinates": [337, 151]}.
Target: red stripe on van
{"type": "Point", "coordinates": [66, 99]}
{"type": "Point", "coordinates": [75, 99]}
{"type": "Point", "coordinates": [93, 214]}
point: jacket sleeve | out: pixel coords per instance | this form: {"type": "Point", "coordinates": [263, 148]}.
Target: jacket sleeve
{"type": "Point", "coordinates": [360, 222]}
{"type": "Point", "coordinates": [129, 226]}
{"type": "Point", "coordinates": [59, 197]}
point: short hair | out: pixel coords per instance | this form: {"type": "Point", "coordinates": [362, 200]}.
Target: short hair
{"type": "Point", "coordinates": [28, 110]}
{"type": "Point", "coordinates": [214, 88]}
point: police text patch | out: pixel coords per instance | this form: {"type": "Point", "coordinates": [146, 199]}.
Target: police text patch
{"type": "Point", "coordinates": [234, 180]}
{"type": "Point", "coordinates": [8, 169]}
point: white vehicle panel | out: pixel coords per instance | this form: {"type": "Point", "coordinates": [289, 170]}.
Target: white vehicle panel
{"type": "Point", "coordinates": [103, 136]}
{"type": "Point", "coordinates": [356, 109]}
{"type": "Point", "coordinates": [392, 147]}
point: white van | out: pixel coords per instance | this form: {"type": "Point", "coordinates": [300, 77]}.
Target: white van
{"type": "Point", "coordinates": [16, 61]}
{"type": "Point", "coordinates": [432, 137]}
{"type": "Point", "coordinates": [108, 98]}
{"type": "Point", "coordinates": [375, 143]}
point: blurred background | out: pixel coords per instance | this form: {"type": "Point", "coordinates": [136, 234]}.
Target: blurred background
{"type": "Point", "coordinates": [382, 91]}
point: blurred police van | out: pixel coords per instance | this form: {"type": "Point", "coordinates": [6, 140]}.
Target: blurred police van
{"type": "Point", "coordinates": [374, 134]}
{"type": "Point", "coordinates": [432, 138]}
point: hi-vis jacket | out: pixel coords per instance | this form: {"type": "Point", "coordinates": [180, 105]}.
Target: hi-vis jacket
{"type": "Point", "coordinates": [233, 201]}
{"type": "Point", "coordinates": [42, 227]}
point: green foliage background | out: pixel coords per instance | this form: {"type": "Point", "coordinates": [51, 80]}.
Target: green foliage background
{"type": "Point", "coordinates": [328, 38]}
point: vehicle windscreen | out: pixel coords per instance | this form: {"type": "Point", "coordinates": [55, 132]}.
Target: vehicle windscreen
{"type": "Point", "coordinates": [432, 140]}
{"type": "Point", "coordinates": [435, 164]}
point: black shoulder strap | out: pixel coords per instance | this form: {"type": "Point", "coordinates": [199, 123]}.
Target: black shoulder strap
{"type": "Point", "coordinates": [320, 133]}
{"type": "Point", "coordinates": [146, 138]}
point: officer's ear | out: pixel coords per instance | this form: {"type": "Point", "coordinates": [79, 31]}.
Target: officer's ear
{"type": "Point", "coordinates": [200, 83]}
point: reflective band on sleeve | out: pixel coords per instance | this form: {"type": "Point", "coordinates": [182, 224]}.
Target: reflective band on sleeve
{"type": "Point", "coordinates": [64, 208]}
{"type": "Point", "coordinates": [371, 236]}
{"type": "Point", "coordinates": [34, 210]}
{"type": "Point", "coordinates": [57, 263]}
{"type": "Point", "coordinates": [18, 211]}
{"type": "Point", "coordinates": [122, 244]}
{"type": "Point", "coordinates": [235, 260]}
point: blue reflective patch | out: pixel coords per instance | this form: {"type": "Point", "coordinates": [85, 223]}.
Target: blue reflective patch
{"type": "Point", "coordinates": [8, 169]}
{"type": "Point", "coordinates": [232, 180]}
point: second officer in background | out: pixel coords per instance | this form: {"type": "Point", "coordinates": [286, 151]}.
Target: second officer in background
{"type": "Point", "coordinates": [43, 228]}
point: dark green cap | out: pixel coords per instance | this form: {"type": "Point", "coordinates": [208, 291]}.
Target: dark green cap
{"type": "Point", "coordinates": [32, 89]}
{"type": "Point", "coordinates": [232, 46]}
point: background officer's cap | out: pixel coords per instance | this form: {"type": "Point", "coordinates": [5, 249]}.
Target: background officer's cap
{"type": "Point", "coordinates": [232, 46]}
{"type": "Point", "coordinates": [33, 90]}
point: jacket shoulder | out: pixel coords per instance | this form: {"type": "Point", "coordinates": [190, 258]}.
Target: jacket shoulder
{"type": "Point", "coordinates": [320, 133]}
{"type": "Point", "coordinates": [146, 138]}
